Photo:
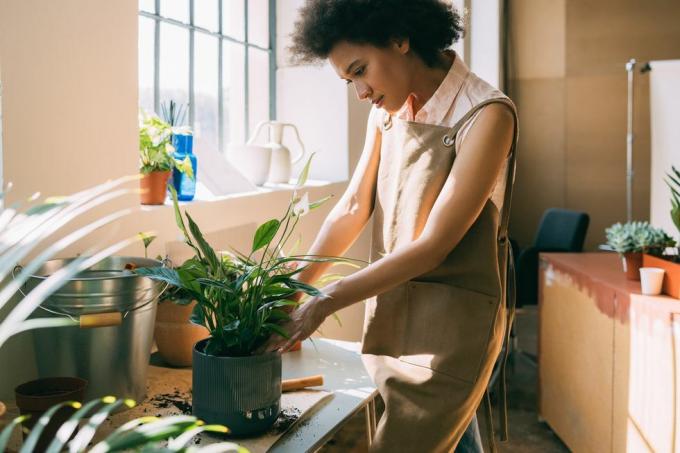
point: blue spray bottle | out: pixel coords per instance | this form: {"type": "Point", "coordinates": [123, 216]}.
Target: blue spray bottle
{"type": "Point", "coordinates": [184, 185]}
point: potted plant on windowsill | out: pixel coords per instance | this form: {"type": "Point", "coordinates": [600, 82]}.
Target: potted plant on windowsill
{"type": "Point", "coordinates": [242, 300]}
{"type": "Point", "coordinates": [669, 262]}
{"type": "Point", "coordinates": [633, 239]}
{"type": "Point", "coordinates": [157, 159]}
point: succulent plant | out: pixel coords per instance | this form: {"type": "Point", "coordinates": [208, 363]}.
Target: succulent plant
{"type": "Point", "coordinates": [638, 236]}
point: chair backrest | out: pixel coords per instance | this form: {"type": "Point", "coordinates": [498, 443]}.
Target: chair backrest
{"type": "Point", "coordinates": [562, 230]}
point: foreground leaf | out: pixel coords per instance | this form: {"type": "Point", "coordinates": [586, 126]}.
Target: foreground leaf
{"type": "Point", "coordinates": [265, 233]}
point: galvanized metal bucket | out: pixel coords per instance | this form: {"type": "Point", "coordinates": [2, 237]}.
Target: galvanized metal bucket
{"type": "Point", "coordinates": [113, 359]}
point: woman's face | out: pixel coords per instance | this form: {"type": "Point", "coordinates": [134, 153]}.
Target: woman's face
{"type": "Point", "coordinates": [378, 74]}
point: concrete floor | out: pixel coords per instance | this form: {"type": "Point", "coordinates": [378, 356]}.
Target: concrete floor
{"type": "Point", "coordinates": [526, 433]}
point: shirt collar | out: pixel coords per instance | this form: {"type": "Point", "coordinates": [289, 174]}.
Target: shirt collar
{"type": "Point", "coordinates": [435, 109]}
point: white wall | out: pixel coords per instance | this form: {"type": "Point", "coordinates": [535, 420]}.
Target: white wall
{"type": "Point", "coordinates": [664, 87]}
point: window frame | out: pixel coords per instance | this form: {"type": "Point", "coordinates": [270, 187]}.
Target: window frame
{"type": "Point", "coordinates": [193, 29]}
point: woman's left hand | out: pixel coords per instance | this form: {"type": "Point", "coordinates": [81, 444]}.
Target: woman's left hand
{"type": "Point", "coordinates": [304, 320]}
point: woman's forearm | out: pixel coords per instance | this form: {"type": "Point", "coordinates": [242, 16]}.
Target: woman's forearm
{"type": "Point", "coordinates": [337, 234]}
{"type": "Point", "coordinates": [413, 260]}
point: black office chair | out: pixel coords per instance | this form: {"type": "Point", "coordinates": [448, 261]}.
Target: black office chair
{"type": "Point", "coordinates": [560, 230]}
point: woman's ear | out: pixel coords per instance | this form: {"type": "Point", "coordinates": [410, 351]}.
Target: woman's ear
{"type": "Point", "coordinates": [402, 45]}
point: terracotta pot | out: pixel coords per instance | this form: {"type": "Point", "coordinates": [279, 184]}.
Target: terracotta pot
{"type": "Point", "coordinates": [154, 187]}
{"type": "Point", "coordinates": [175, 335]}
{"type": "Point", "coordinates": [671, 280]}
{"type": "Point", "coordinates": [632, 262]}
{"type": "Point", "coordinates": [35, 397]}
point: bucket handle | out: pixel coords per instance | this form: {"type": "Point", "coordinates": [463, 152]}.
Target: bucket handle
{"type": "Point", "coordinates": [97, 319]}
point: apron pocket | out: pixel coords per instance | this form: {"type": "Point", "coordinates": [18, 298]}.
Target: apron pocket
{"type": "Point", "coordinates": [385, 323]}
{"type": "Point", "coordinates": [448, 328]}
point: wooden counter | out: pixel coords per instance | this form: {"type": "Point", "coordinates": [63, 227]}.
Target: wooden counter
{"type": "Point", "coordinates": [608, 357]}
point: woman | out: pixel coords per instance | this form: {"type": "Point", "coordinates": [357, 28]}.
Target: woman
{"type": "Point", "coordinates": [436, 176]}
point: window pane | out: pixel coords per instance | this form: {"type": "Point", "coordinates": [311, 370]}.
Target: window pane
{"type": "Point", "coordinates": [205, 91]}
{"type": "Point", "coordinates": [147, 5]}
{"type": "Point", "coordinates": [258, 22]}
{"type": "Point", "coordinates": [258, 80]}
{"type": "Point", "coordinates": [175, 9]}
{"type": "Point", "coordinates": [234, 93]}
{"type": "Point", "coordinates": [232, 19]}
{"type": "Point", "coordinates": [146, 63]}
{"type": "Point", "coordinates": [206, 14]}
{"type": "Point", "coordinates": [174, 64]}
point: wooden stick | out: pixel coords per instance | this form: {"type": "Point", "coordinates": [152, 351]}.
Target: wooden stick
{"type": "Point", "coordinates": [101, 320]}
{"type": "Point", "coordinates": [299, 383]}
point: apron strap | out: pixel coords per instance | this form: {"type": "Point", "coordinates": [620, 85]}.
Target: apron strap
{"type": "Point", "coordinates": [449, 140]}
{"type": "Point", "coordinates": [509, 272]}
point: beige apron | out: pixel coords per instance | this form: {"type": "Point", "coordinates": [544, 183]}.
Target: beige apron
{"type": "Point", "coordinates": [430, 344]}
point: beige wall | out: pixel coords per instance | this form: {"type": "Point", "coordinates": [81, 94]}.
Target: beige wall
{"type": "Point", "coordinates": [569, 82]}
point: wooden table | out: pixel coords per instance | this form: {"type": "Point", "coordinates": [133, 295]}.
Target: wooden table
{"type": "Point", "coordinates": [609, 357]}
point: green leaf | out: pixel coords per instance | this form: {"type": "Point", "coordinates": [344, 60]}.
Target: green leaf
{"type": "Point", "coordinates": [31, 441]}
{"type": "Point", "coordinates": [265, 233]}
{"type": "Point", "coordinates": [163, 274]}
{"type": "Point", "coordinates": [232, 326]}
{"type": "Point", "coordinates": [178, 215]}
{"type": "Point", "coordinates": [43, 208]}
{"type": "Point", "coordinates": [146, 238]}
{"type": "Point", "coordinates": [69, 426]}
{"type": "Point", "coordinates": [198, 315]}
{"type": "Point", "coordinates": [316, 204]}
{"type": "Point", "coordinates": [207, 250]}
{"type": "Point", "coordinates": [213, 347]}
{"type": "Point", "coordinates": [304, 287]}
{"type": "Point", "coordinates": [6, 433]}
{"type": "Point", "coordinates": [304, 174]}
{"type": "Point", "coordinates": [87, 432]}
{"type": "Point", "coordinates": [147, 433]}
{"type": "Point", "coordinates": [181, 441]}
{"type": "Point", "coordinates": [278, 315]}
{"type": "Point", "coordinates": [276, 328]}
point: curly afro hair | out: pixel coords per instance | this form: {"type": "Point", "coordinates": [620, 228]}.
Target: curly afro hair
{"type": "Point", "coordinates": [430, 25]}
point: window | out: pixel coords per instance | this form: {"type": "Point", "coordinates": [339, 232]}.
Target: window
{"type": "Point", "coordinates": [217, 56]}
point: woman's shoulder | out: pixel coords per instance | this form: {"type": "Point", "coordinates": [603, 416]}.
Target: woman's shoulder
{"type": "Point", "coordinates": [477, 91]}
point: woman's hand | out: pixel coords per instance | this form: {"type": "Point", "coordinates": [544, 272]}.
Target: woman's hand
{"type": "Point", "coordinates": [304, 320]}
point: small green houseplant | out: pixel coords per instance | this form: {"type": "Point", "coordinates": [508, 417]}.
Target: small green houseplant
{"type": "Point", "coordinates": [242, 299]}
{"type": "Point", "coordinates": [156, 158]}
{"type": "Point", "coordinates": [632, 239]}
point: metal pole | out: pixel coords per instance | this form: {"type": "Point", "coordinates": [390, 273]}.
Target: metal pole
{"type": "Point", "coordinates": [630, 67]}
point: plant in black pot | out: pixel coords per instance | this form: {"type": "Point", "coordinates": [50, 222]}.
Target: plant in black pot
{"type": "Point", "coordinates": [242, 299]}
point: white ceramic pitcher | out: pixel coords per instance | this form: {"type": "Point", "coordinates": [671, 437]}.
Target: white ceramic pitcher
{"type": "Point", "coordinates": [281, 165]}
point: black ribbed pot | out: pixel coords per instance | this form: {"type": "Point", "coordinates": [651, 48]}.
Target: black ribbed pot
{"type": "Point", "coordinates": [241, 393]}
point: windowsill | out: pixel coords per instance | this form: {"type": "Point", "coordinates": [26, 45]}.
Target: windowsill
{"type": "Point", "coordinates": [203, 195]}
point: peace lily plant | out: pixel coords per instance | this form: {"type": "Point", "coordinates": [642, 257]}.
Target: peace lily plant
{"type": "Point", "coordinates": [242, 299]}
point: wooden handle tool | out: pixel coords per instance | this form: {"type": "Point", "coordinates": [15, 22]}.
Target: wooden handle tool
{"type": "Point", "coordinates": [298, 383]}
{"type": "Point", "coordinates": [101, 320]}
